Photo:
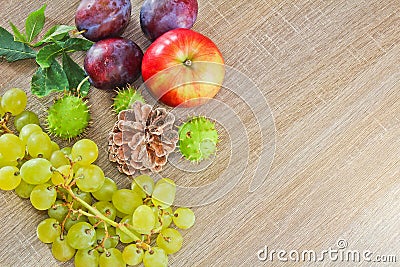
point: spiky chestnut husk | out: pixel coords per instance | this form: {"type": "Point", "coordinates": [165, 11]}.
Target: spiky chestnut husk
{"type": "Point", "coordinates": [125, 98]}
{"type": "Point", "coordinates": [198, 139]}
{"type": "Point", "coordinates": [68, 117]}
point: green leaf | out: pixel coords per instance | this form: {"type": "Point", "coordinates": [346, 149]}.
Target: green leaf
{"type": "Point", "coordinates": [75, 75]}
{"type": "Point", "coordinates": [12, 50]}
{"type": "Point", "coordinates": [34, 23]}
{"type": "Point", "coordinates": [47, 54]}
{"type": "Point", "coordinates": [77, 44]}
{"type": "Point", "coordinates": [18, 36]}
{"type": "Point", "coordinates": [45, 81]}
{"type": "Point", "coordinates": [56, 33]}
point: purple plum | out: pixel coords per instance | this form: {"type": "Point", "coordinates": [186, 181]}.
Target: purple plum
{"type": "Point", "coordinates": [159, 16]}
{"type": "Point", "coordinates": [113, 62]}
{"type": "Point", "coordinates": [100, 19]}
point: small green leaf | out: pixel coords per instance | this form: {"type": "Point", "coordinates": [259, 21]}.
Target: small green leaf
{"type": "Point", "coordinates": [56, 33]}
{"type": "Point", "coordinates": [45, 81]}
{"type": "Point", "coordinates": [47, 54]}
{"type": "Point", "coordinates": [34, 23]}
{"type": "Point", "coordinates": [75, 75]}
{"type": "Point", "coordinates": [12, 50]}
{"type": "Point", "coordinates": [18, 36]}
{"type": "Point", "coordinates": [77, 44]}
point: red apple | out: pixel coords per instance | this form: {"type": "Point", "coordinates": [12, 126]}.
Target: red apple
{"type": "Point", "coordinates": [183, 68]}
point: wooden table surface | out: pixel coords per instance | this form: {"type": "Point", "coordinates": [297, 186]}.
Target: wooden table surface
{"type": "Point", "coordinates": [328, 141]}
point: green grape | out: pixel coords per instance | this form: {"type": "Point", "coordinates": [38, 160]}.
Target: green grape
{"type": "Point", "coordinates": [43, 196]}
{"type": "Point", "coordinates": [164, 193]}
{"type": "Point", "coordinates": [105, 208]}
{"type": "Point", "coordinates": [156, 257]}
{"type": "Point", "coordinates": [164, 217]}
{"type": "Point", "coordinates": [143, 219]}
{"type": "Point", "coordinates": [2, 112]}
{"type": "Point", "coordinates": [58, 211]}
{"type": "Point", "coordinates": [120, 214]}
{"type": "Point", "coordinates": [61, 193]}
{"type": "Point", "coordinates": [61, 250]}
{"type": "Point", "coordinates": [132, 255]}
{"type": "Point", "coordinates": [54, 146]}
{"type": "Point", "coordinates": [27, 130]}
{"type": "Point", "coordinates": [48, 230]}
{"type": "Point", "coordinates": [86, 258]}
{"type": "Point", "coordinates": [85, 196]}
{"type": "Point", "coordinates": [74, 219]}
{"type": "Point", "coordinates": [126, 201]}
{"type": "Point", "coordinates": [143, 184]}
{"type": "Point", "coordinates": [166, 180]}
{"type": "Point", "coordinates": [184, 218]}
{"type": "Point", "coordinates": [24, 118]}
{"type": "Point", "coordinates": [62, 172]}
{"type": "Point", "coordinates": [85, 152]}
{"type": "Point", "coordinates": [66, 150]}
{"type": "Point", "coordinates": [135, 188]}
{"type": "Point", "coordinates": [57, 178]}
{"type": "Point", "coordinates": [5, 163]}
{"type": "Point", "coordinates": [39, 145]}
{"type": "Point", "coordinates": [90, 178]}
{"type": "Point", "coordinates": [106, 192]}
{"type": "Point", "coordinates": [36, 171]}
{"type": "Point", "coordinates": [111, 258]}
{"type": "Point", "coordinates": [14, 101]}
{"type": "Point", "coordinates": [11, 147]}
{"type": "Point", "coordinates": [58, 159]}
{"type": "Point", "coordinates": [9, 178]}
{"type": "Point", "coordinates": [170, 240]}
{"type": "Point", "coordinates": [76, 167]}
{"type": "Point", "coordinates": [123, 237]}
{"type": "Point", "coordinates": [111, 241]}
{"type": "Point", "coordinates": [81, 235]}
{"type": "Point", "coordinates": [24, 189]}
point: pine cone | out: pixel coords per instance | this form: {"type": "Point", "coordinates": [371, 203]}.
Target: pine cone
{"type": "Point", "coordinates": [142, 139]}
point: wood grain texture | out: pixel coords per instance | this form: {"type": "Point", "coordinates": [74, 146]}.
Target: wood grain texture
{"type": "Point", "coordinates": [330, 73]}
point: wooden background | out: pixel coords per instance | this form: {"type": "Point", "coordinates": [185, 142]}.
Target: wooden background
{"type": "Point", "coordinates": [330, 73]}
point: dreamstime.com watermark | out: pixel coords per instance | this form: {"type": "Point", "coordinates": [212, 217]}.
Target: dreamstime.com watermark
{"type": "Point", "coordinates": [339, 253]}
{"type": "Point", "coordinates": [240, 90]}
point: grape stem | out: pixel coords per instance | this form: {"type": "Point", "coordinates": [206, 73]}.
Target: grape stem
{"type": "Point", "coordinates": [157, 230]}
{"type": "Point", "coordinates": [82, 212]}
{"type": "Point", "coordinates": [106, 236]}
{"type": "Point", "coordinates": [64, 221]}
{"type": "Point", "coordinates": [3, 123]}
{"type": "Point", "coordinates": [99, 215]}
{"type": "Point", "coordinates": [146, 200]}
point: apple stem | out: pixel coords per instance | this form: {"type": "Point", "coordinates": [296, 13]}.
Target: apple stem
{"type": "Point", "coordinates": [188, 62]}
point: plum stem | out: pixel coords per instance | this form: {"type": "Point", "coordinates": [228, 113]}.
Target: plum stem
{"type": "Point", "coordinates": [78, 89]}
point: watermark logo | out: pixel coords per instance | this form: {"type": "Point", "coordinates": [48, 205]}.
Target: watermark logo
{"type": "Point", "coordinates": [339, 253]}
{"type": "Point", "coordinates": [239, 89]}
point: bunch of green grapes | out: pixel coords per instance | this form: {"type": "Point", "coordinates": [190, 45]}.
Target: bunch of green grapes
{"type": "Point", "coordinates": [88, 215]}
